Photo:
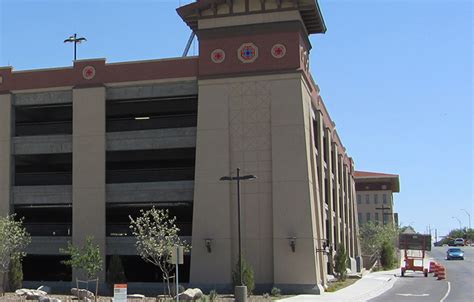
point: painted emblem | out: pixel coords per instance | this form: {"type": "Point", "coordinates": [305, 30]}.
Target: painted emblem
{"type": "Point", "coordinates": [278, 51]}
{"type": "Point", "coordinates": [247, 53]}
{"type": "Point", "coordinates": [88, 72]}
{"type": "Point", "coordinates": [218, 56]}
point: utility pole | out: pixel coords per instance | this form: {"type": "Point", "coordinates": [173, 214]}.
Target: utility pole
{"type": "Point", "coordinates": [382, 209]}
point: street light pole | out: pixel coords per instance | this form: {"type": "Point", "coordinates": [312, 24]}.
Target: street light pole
{"type": "Point", "coordinates": [469, 216]}
{"type": "Point", "coordinates": [74, 39]}
{"type": "Point", "coordinates": [242, 289]}
{"type": "Point", "coordinates": [460, 225]}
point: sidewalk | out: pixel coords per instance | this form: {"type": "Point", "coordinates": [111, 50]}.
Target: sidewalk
{"type": "Point", "coordinates": [370, 286]}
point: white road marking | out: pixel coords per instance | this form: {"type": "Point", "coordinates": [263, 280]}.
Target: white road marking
{"type": "Point", "coordinates": [447, 293]}
{"type": "Point", "coordinates": [414, 295]}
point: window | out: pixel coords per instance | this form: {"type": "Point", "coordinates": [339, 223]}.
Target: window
{"type": "Point", "coordinates": [359, 216]}
{"type": "Point", "coordinates": [376, 198]}
{"type": "Point", "coordinates": [377, 216]}
{"type": "Point", "coordinates": [367, 198]}
{"type": "Point", "coordinates": [359, 199]}
{"type": "Point", "coordinates": [368, 217]}
{"type": "Point", "coordinates": [384, 198]}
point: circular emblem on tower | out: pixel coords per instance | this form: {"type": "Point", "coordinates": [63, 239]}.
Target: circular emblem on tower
{"type": "Point", "coordinates": [88, 72]}
{"type": "Point", "coordinates": [278, 51]}
{"type": "Point", "coordinates": [218, 56]}
{"type": "Point", "coordinates": [247, 53]}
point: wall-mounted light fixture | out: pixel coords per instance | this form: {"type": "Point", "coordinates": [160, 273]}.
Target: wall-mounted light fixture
{"type": "Point", "coordinates": [208, 244]}
{"type": "Point", "coordinates": [292, 241]}
{"type": "Point", "coordinates": [141, 118]}
{"type": "Point", "coordinates": [326, 248]}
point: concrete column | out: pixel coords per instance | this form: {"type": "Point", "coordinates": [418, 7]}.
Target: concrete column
{"type": "Point", "coordinates": [88, 189]}
{"type": "Point", "coordinates": [337, 219]}
{"type": "Point", "coordinates": [320, 145]}
{"type": "Point", "coordinates": [5, 153]}
{"type": "Point", "coordinates": [330, 187]}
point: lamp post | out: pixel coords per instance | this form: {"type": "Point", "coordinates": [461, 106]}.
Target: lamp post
{"type": "Point", "coordinates": [240, 291]}
{"type": "Point", "coordinates": [460, 226]}
{"type": "Point", "coordinates": [469, 216]}
{"type": "Point", "coordinates": [75, 40]}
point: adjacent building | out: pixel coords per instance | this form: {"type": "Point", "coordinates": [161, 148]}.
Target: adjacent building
{"type": "Point", "coordinates": [83, 147]}
{"type": "Point", "coordinates": [375, 197]}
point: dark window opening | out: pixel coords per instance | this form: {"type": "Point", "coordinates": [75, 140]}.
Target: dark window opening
{"type": "Point", "coordinates": [150, 165]}
{"type": "Point", "coordinates": [118, 221]}
{"type": "Point", "coordinates": [43, 120]}
{"type": "Point", "coordinates": [326, 191]}
{"type": "Point", "coordinates": [46, 220]}
{"type": "Point", "coordinates": [157, 113]}
{"type": "Point", "coordinates": [137, 270]}
{"type": "Point", "coordinates": [46, 268]}
{"type": "Point", "coordinates": [43, 169]}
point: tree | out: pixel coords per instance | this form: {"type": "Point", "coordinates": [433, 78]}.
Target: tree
{"type": "Point", "coordinates": [13, 240]}
{"type": "Point", "coordinates": [372, 237]}
{"type": "Point", "coordinates": [115, 274]}
{"type": "Point", "coordinates": [340, 263]}
{"type": "Point", "coordinates": [86, 258]}
{"type": "Point", "coordinates": [247, 276]}
{"type": "Point", "coordinates": [387, 255]}
{"type": "Point", "coordinates": [156, 235]}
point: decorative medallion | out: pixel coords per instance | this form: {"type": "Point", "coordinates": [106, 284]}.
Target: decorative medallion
{"type": "Point", "coordinates": [247, 53]}
{"type": "Point", "coordinates": [88, 72]}
{"type": "Point", "coordinates": [218, 56]}
{"type": "Point", "coordinates": [278, 51]}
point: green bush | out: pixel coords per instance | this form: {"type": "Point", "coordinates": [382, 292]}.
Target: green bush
{"type": "Point", "coordinates": [340, 263]}
{"type": "Point", "coordinates": [276, 292]}
{"type": "Point", "coordinates": [387, 255]}
{"type": "Point", "coordinates": [213, 295]}
{"type": "Point", "coordinates": [15, 275]}
{"type": "Point", "coordinates": [247, 278]}
{"type": "Point", "coordinates": [115, 273]}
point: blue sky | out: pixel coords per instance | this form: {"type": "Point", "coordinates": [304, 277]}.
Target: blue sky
{"type": "Point", "coordinates": [396, 76]}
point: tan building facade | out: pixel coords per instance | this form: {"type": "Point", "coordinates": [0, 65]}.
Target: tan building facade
{"type": "Point", "coordinates": [83, 147]}
{"type": "Point", "coordinates": [375, 197]}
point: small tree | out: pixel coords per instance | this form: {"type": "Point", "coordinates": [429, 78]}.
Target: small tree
{"type": "Point", "coordinates": [387, 256]}
{"type": "Point", "coordinates": [156, 236]}
{"type": "Point", "coordinates": [340, 263]}
{"type": "Point", "coordinates": [13, 240]}
{"type": "Point", "coordinates": [115, 274]}
{"type": "Point", "coordinates": [372, 237]}
{"type": "Point", "coordinates": [247, 276]}
{"type": "Point", "coordinates": [86, 258]}
{"type": "Point", "coordinates": [15, 275]}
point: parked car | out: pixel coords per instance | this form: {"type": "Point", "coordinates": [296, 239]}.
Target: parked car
{"type": "Point", "coordinates": [458, 242]}
{"type": "Point", "coordinates": [454, 253]}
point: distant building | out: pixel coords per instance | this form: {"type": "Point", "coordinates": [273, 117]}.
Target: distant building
{"type": "Point", "coordinates": [374, 196]}
{"type": "Point", "coordinates": [85, 146]}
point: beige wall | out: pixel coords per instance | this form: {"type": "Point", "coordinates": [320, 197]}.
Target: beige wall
{"type": "Point", "coordinates": [5, 153]}
{"type": "Point", "coordinates": [256, 124]}
{"type": "Point", "coordinates": [365, 208]}
{"type": "Point", "coordinates": [88, 192]}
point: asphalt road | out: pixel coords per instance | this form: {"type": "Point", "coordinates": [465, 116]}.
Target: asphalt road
{"type": "Point", "coordinates": [458, 286]}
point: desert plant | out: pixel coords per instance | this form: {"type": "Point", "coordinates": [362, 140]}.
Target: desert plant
{"type": "Point", "coordinates": [213, 295]}
{"type": "Point", "coordinates": [247, 276]}
{"type": "Point", "coordinates": [156, 236]}
{"type": "Point", "coordinates": [15, 275]}
{"type": "Point", "coordinates": [115, 273]}
{"type": "Point", "coordinates": [276, 292]}
{"type": "Point", "coordinates": [13, 240]}
{"type": "Point", "coordinates": [340, 263]}
{"type": "Point", "coordinates": [86, 258]}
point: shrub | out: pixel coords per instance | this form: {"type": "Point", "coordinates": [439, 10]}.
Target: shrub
{"type": "Point", "coordinates": [15, 275]}
{"type": "Point", "coordinates": [247, 278]}
{"type": "Point", "coordinates": [266, 296]}
{"type": "Point", "coordinates": [387, 255]}
{"type": "Point", "coordinates": [340, 263]}
{"type": "Point", "coordinates": [276, 292]}
{"type": "Point", "coordinates": [115, 273]}
{"type": "Point", "coordinates": [213, 295]}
